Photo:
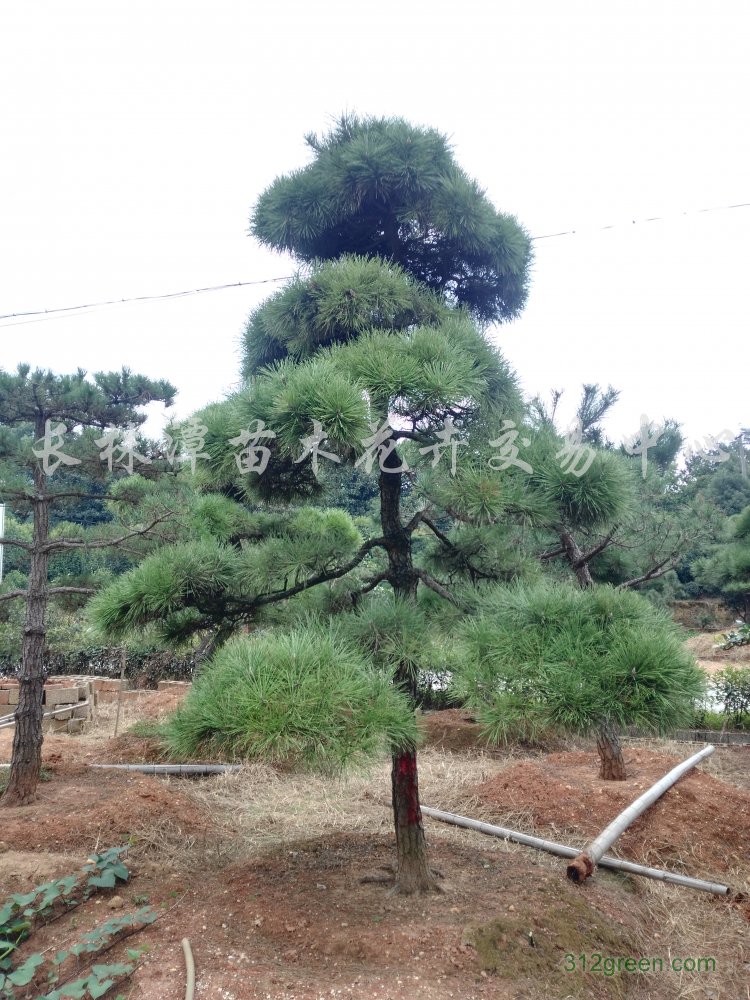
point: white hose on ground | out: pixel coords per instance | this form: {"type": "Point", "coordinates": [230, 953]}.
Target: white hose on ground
{"type": "Point", "coordinates": [584, 863]}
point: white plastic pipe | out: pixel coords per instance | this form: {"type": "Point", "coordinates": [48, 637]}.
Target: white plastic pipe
{"type": "Point", "coordinates": [564, 851]}
{"type": "Point", "coordinates": [48, 715]}
{"type": "Point", "coordinates": [178, 769]}
{"type": "Point", "coordinates": [584, 863]}
{"type": "Point", "coordinates": [189, 970]}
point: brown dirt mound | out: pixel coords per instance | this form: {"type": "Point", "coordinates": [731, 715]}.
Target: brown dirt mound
{"type": "Point", "coordinates": [298, 924]}
{"type": "Point", "coordinates": [81, 808]}
{"type": "Point", "coordinates": [452, 729]}
{"type": "Point", "coordinates": [131, 749]}
{"type": "Point", "coordinates": [701, 826]}
{"type": "Point", "coordinates": [156, 704]}
{"type": "Point", "coordinates": [705, 647]}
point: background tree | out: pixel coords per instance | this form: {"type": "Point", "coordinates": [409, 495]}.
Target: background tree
{"type": "Point", "coordinates": [594, 405]}
{"type": "Point", "coordinates": [583, 508]}
{"type": "Point", "coordinates": [55, 406]}
{"type": "Point", "coordinates": [719, 475]}
{"type": "Point", "coordinates": [726, 571]}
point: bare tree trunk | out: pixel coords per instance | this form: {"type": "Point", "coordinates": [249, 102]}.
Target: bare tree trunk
{"type": "Point", "coordinates": [26, 760]}
{"type": "Point", "coordinates": [611, 760]}
{"type": "Point", "coordinates": [412, 870]}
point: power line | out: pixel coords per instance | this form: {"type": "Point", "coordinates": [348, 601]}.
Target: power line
{"type": "Point", "coordinates": [39, 315]}
{"type": "Point", "coordinates": [637, 222]}
{"type": "Point", "coordinates": [141, 298]}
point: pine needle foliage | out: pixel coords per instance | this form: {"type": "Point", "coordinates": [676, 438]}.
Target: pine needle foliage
{"type": "Point", "coordinates": [207, 582]}
{"type": "Point", "coordinates": [397, 634]}
{"type": "Point", "coordinates": [334, 303]}
{"type": "Point", "coordinates": [385, 188]}
{"type": "Point", "coordinates": [546, 655]}
{"type": "Point", "coordinates": [304, 697]}
{"type": "Point", "coordinates": [597, 496]}
{"type": "Point", "coordinates": [189, 574]}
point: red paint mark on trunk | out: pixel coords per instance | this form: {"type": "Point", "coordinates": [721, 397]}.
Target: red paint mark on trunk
{"type": "Point", "coordinates": [406, 780]}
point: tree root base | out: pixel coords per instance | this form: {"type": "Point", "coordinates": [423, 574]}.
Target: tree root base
{"type": "Point", "coordinates": [11, 799]}
{"type": "Point", "coordinates": [408, 887]}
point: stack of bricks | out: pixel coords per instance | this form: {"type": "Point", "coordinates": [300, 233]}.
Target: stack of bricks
{"type": "Point", "coordinates": [8, 697]}
{"type": "Point", "coordinates": [174, 685]}
{"type": "Point", "coordinates": [68, 703]}
{"type": "Point", "coordinates": [108, 690]}
{"type": "Point", "coordinates": [71, 699]}
{"type": "Point", "coordinates": [74, 699]}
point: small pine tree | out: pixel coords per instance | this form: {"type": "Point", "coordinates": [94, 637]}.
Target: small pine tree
{"type": "Point", "coordinates": [586, 661]}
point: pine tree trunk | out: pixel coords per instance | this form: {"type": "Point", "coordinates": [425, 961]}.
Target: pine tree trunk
{"type": "Point", "coordinates": [412, 870]}
{"type": "Point", "coordinates": [612, 763]}
{"type": "Point", "coordinates": [574, 555]}
{"type": "Point", "coordinates": [26, 759]}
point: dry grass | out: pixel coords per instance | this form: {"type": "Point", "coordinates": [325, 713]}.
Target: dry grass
{"type": "Point", "coordinates": [269, 807]}
{"type": "Point", "coordinates": [103, 726]}
{"type": "Point", "coordinates": [703, 927]}
{"type": "Point", "coordinates": [260, 808]}
{"type": "Point", "coordinates": [704, 647]}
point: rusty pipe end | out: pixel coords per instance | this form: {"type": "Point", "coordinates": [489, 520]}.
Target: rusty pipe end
{"type": "Point", "coordinates": [580, 868]}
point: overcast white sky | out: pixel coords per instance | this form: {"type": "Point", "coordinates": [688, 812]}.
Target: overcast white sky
{"type": "Point", "coordinates": [136, 137]}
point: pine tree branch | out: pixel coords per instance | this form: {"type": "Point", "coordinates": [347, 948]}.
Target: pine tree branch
{"type": "Point", "coordinates": [78, 494]}
{"type": "Point", "coordinates": [313, 581]}
{"type": "Point", "coordinates": [587, 556]}
{"type": "Point", "coordinates": [653, 574]}
{"type": "Point", "coordinates": [415, 522]}
{"type": "Point", "coordinates": [62, 544]}
{"type": "Point", "coordinates": [51, 591]}
{"type": "Point", "coordinates": [419, 436]}
{"type": "Point", "coordinates": [437, 532]}
{"type": "Point", "coordinates": [464, 518]}
{"type": "Point", "coordinates": [14, 541]}
{"type": "Point", "coordinates": [370, 585]}
{"type": "Point", "coordinates": [433, 584]}
{"type": "Point", "coordinates": [13, 593]}
{"type": "Point", "coordinates": [71, 590]}
{"type": "Point", "coordinates": [552, 554]}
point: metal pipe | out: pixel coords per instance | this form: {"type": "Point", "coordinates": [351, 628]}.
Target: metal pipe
{"type": "Point", "coordinates": [584, 863]}
{"type": "Point", "coordinates": [570, 852]}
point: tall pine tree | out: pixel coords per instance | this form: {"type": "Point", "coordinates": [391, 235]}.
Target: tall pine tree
{"type": "Point", "coordinates": [383, 336]}
{"type": "Point", "coordinates": [371, 355]}
{"type": "Point", "coordinates": [65, 413]}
